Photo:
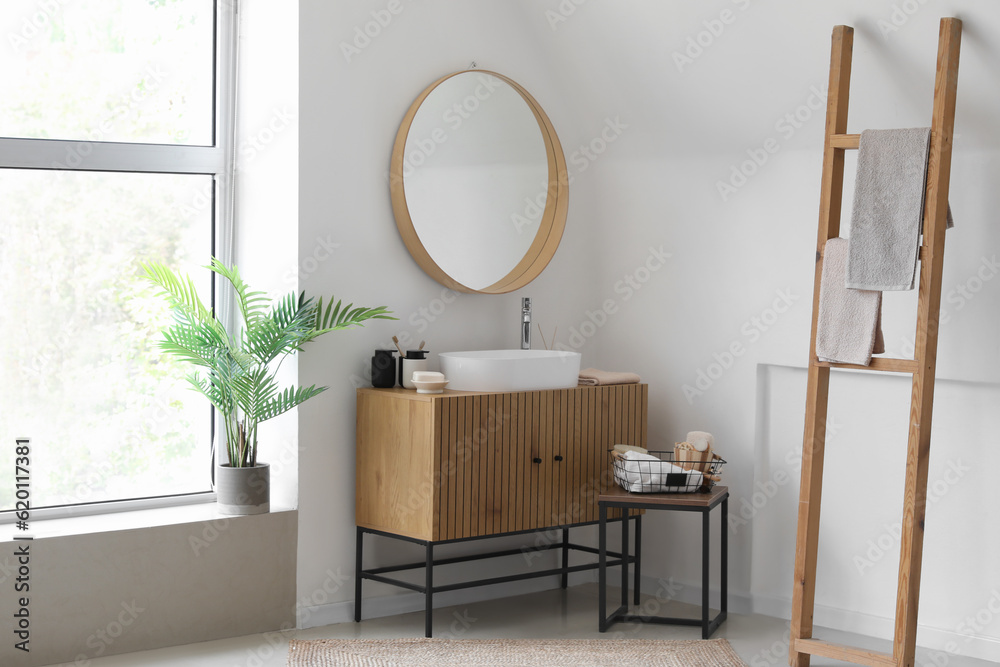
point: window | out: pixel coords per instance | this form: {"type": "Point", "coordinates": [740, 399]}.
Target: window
{"type": "Point", "coordinates": [116, 135]}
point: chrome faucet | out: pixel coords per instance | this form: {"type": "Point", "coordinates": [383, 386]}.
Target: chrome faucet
{"type": "Point", "coordinates": [526, 323]}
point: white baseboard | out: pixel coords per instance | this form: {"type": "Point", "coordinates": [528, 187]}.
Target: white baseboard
{"type": "Point", "coordinates": [936, 640]}
{"type": "Point", "coordinates": [739, 602]}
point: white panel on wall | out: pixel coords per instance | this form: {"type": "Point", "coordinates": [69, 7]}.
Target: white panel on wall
{"type": "Point", "coordinates": [862, 505]}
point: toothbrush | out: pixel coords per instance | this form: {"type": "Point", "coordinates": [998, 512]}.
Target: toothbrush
{"type": "Point", "coordinates": [542, 335]}
{"type": "Point", "coordinates": [396, 341]}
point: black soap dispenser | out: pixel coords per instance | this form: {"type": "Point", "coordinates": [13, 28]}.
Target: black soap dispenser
{"type": "Point", "coordinates": [384, 369]}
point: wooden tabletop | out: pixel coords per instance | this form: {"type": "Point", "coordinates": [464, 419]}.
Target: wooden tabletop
{"type": "Point", "coordinates": [413, 395]}
{"type": "Point", "coordinates": [619, 495]}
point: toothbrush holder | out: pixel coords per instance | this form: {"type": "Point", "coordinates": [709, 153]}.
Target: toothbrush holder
{"type": "Point", "coordinates": [415, 360]}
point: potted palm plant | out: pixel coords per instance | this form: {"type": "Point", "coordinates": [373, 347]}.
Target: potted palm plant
{"type": "Point", "coordinates": [237, 370]}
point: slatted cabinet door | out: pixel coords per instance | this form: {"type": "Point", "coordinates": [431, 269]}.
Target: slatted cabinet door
{"type": "Point", "coordinates": [604, 417]}
{"type": "Point", "coordinates": [485, 439]}
{"type": "Point", "coordinates": [526, 460]}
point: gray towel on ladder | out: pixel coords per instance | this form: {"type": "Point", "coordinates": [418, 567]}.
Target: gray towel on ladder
{"type": "Point", "coordinates": [888, 209]}
{"type": "Point", "coordinates": [849, 329]}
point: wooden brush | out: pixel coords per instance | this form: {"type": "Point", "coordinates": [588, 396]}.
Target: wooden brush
{"type": "Point", "coordinates": [396, 341]}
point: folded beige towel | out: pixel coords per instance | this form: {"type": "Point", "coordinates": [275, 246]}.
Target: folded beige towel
{"type": "Point", "coordinates": [850, 320]}
{"type": "Point", "coordinates": [594, 377]}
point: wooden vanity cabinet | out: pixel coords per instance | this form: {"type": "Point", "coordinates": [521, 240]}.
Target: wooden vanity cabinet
{"type": "Point", "coordinates": [457, 465]}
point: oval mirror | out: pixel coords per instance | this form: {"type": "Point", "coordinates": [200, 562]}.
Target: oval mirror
{"type": "Point", "coordinates": [479, 183]}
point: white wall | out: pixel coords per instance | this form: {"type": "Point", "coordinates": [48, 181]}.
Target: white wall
{"type": "Point", "coordinates": [266, 239]}
{"type": "Point", "coordinates": [735, 261]}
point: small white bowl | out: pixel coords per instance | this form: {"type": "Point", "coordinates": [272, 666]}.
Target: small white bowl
{"type": "Point", "coordinates": [429, 387]}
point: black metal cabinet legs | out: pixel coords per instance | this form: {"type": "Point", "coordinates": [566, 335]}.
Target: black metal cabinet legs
{"type": "Point", "coordinates": [359, 552]}
{"type": "Point", "coordinates": [428, 589]}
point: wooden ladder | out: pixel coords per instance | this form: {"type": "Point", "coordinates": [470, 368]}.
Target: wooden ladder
{"type": "Point", "coordinates": [922, 366]}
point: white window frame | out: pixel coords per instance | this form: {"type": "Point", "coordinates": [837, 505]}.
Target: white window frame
{"type": "Point", "coordinates": [217, 160]}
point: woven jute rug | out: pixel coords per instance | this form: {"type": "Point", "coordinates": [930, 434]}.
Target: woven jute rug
{"type": "Point", "coordinates": [513, 652]}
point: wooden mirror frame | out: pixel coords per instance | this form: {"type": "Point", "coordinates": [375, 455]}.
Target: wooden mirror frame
{"type": "Point", "coordinates": [550, 227]}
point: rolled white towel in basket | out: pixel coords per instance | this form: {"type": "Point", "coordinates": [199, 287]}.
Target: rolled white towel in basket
{"type": "Point", "coordinates": [645, 473]}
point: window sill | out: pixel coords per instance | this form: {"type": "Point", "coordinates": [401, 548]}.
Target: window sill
{"type": "Point", "coordinates": [117, 521]}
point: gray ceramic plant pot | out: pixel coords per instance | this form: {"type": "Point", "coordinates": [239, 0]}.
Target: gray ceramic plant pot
{"type": "Point", "coordinates": [243, 490]}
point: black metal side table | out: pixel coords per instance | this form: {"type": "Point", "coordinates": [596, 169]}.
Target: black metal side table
{"type": "Point", "coordinates": [682, 502]}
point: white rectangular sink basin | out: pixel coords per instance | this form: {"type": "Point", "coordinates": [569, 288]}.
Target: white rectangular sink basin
{"type": "Point", "coordinates": [510, 370]}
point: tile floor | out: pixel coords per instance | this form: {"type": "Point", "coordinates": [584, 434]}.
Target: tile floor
{"type": "Point", "coordinates": [760, 640]}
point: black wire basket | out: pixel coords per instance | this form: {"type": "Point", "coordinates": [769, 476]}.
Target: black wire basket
{"type": "Point", "coordinates": [665, 475]}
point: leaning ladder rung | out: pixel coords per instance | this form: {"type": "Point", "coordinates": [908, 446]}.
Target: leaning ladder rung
{"type": "Point", "coordinates": [842, 141]}
{"type": "Point", "coordinates": [884, 364]}
{"type": "Point", "coordinates": [858, 656]}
